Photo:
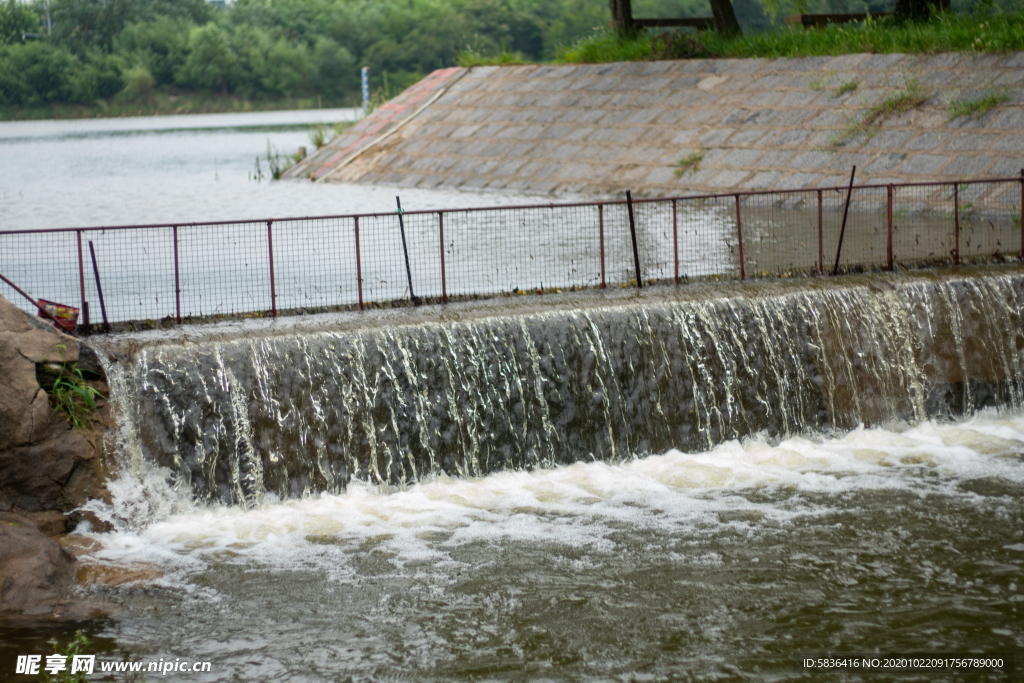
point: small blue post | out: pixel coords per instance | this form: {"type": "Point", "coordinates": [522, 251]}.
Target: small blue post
{"type": "Point", "coordinates": [366, 91]}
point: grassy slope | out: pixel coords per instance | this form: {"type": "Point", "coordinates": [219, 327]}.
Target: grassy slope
{"type": "Point", "coordinates": [945, 33]}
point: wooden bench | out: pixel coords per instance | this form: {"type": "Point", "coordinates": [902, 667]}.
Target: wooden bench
{"type": "Point", "coordinates": [820, 20]}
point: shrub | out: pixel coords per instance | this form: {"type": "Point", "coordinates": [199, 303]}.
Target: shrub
{"type": "Point", "coordinates": [138, 82]}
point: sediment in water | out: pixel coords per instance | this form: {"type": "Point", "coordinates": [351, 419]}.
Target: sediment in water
{"type": "Point", "coordinates": [294, 414]}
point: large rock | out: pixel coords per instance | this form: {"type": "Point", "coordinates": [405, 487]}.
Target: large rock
{"type": "Point", "coordinates": [45, 466]}
{"type": "Point", "coordinates": [35, 478]}
{"type": "Point", "coordinates": [37, 576]}
{"type": "Point", "coordinates": [26, 417]}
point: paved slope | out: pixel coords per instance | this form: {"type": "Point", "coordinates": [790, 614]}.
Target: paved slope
{"type": "Point", "coordinates": [758, 124]}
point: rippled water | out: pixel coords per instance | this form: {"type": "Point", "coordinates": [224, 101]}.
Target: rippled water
{"type": "Point", "coordinates": [717, 565]}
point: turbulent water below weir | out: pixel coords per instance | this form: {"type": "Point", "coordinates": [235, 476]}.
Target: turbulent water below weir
{"type": "Point", "coordinates": [296, 414]}
{"type": "Point", "coordinates": [716, 565]}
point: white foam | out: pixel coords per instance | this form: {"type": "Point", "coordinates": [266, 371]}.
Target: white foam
{"type": "Point", "coordinates": [577, 505]}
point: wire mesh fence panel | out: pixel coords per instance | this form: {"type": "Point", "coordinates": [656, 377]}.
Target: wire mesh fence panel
{"type": "Point", "coordinates": [327, 262]}
{"type": "Point", "coordinates": [708, 241]}
{"type": "Point", "coordinates": [224, 269]}
{"type": "Point", "coordinates": [923, 225]}
{"type": "Point", "coordinates": [865, 240]}
{"type": "Point", "coordinates": [654, 236]}
{"type": "Point", "coordinates": [780, 234]}
{"type": "Point", "coordinates": [618, 245]}
{"type": "Point", "coordinates": [989, 215]}
{"type": "Point", "coordinates": [520, 249]}
{"type": "Point", "coordinates": [314, 263]}
{"type": "Point", "coordinates": [44, 265]}
{"type": "Point", "coordinates": [423, 237]}
{"type": "Point", "coordinates": [136, 273]}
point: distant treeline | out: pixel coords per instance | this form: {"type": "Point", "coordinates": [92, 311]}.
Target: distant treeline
{"type": "Point", "coordinates": [88, 50]}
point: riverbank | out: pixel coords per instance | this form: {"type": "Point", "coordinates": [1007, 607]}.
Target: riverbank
{"type": "Point", "coordinates": [165, 104]}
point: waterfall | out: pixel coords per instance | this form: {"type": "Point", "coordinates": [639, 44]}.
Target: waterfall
{"type": "Point", "coordinates": [290, 415]}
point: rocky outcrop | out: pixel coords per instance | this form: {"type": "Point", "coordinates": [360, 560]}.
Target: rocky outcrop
{"type": "Point", "coordinates": [37, 576]}
{"type": "Point", "coordinates": [45, 466]}
{"type": "Point", "coordinates": [47, 469]}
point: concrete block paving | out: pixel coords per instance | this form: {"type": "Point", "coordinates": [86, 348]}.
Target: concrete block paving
{"type": "Point", "coordinates": [758, 124]}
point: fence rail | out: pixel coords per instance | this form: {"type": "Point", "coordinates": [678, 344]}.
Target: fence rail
{"type": "Point", "coordinates": [177, 272]}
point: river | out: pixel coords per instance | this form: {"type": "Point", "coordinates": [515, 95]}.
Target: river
{"type": "Point", "coordinates": [726, 556]}
{"type": "Point", "coordinates": [201, 167]}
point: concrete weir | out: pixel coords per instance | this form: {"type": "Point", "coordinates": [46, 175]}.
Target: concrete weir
{"type": "Point", "coordinates": [754, 123]}
{"type": "Point", "coordinates": [471, 390]}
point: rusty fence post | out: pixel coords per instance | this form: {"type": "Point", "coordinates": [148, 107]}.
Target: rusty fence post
{"type": "Point", "coordinates": [888, 239]}
{"type": "Point", "coordinates": [99, 288]}
{"type": "Point", "coordinates": [600, 232]}
{"type": "Point", "coordinates": [359, 267]}
{"type": "Point", "coordinates": [675, 238]}
{"type": "Point", "coordinates": [821, 241]}
{"type": "Point", "coordinates": [273, 291]}
{"type": "Point", "coordinates": [956, 223]}
{"type": "Point", "coordinates": [81, 275]}
{"type": "Point", "coordinates": [739, 235]}
{"type": "Point", "coordinates": [444, 278]}
{"type": "Point", "coordinates": [632, 232]}
{"type": "Point", "coordinates": [846, 212]}
{"type": "Point", "coordinates": [177, 279]}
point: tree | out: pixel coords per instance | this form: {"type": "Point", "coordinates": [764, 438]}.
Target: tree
{"type": "Point", "coordinates": [914, 10]}
{"type": "Point", "coordinates": [211, 62]}
{"type": "Point", "coordinates": [14, 19]}
{"type": "Point", "coordinates": [622, 17]}
{"type": "Point", "coordinates": [725, 18]}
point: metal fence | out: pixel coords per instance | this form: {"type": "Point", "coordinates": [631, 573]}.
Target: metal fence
{"type": "Point", "coordinates": [172, 273]}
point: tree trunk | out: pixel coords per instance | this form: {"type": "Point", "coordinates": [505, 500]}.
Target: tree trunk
{"type": "Point", "coordinates": [622, 17]}
{"type": "Point", "coordinates": [725, 18]}
{"type": "Point", "coordinates": [915, 10]}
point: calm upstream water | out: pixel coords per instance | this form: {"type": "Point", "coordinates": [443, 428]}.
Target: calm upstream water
{"type": "Point", "coordinates": [159, 169]}
{"type": "Point", "coordinates": [651, 491]}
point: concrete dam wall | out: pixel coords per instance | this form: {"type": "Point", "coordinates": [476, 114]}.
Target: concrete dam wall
{"type": "Point", "coordinates": [754, 124]}
{"type": "Point", "coordinates": [685, 368]}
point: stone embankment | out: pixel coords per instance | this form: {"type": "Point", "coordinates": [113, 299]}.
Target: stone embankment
{"type": "Point", "coordinates": [47, 469]}
{"type": "Point", "coordinates": [743, 124]}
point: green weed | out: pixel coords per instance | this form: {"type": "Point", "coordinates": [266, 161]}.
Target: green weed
{"type": "Point", "coordinates": [75, 647]}
{"type": "Point", "coordinates": [689, 163]}
{"type": "Point", "coordinates": [278, 162]}
{"type": "Point", "coordinates": [70, 395]}
{"type": "Point", "coordinates": [845, 87]}
{"type": "Point", "coordinates": [896, 102]}
{"type": "Point", "coordinates": [468, 58]}
{"type": "Point", "coordinates": [319, 134]}
{"type": "Point", "coordinates": [975, 107]}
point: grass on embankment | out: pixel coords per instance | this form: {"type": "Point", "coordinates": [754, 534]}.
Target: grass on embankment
{"type": "Point", "coordinates": [943, 33]}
